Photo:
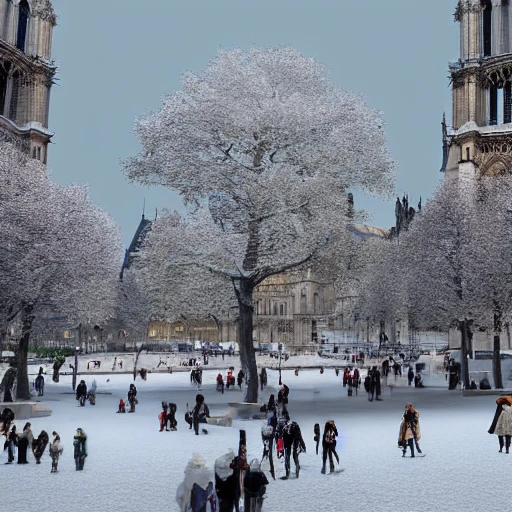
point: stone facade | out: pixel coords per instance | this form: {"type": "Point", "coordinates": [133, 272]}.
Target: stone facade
{"type": "Point", "coordinates": [480, 140]}
{"type": "Point", "coordinates": [26, 73]}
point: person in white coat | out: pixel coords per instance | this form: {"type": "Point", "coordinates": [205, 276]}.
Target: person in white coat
{"type": "Point", "coordinates": [504, 427]}
{"type": "Point", "coordinates": [55, 451]}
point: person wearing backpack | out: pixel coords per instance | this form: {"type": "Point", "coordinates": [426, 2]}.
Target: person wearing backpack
{"type": "Point", "coordinates": [293, 444]}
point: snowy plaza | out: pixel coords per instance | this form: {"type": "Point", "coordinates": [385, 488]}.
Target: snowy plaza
{"type": "Point", "coordinates": [132, 466]}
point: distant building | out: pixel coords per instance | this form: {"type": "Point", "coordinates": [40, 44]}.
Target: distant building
{"type": "Point", "coordinates": [26, 74]}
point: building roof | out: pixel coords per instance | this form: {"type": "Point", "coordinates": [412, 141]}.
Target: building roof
{"type": "Point", "coordinates": [365, 231]}
{"type": "Point", "coordinates": [137, 243]}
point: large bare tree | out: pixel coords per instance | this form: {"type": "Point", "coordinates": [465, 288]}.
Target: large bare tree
{"type": "Point", "coordinates": [264, 147]}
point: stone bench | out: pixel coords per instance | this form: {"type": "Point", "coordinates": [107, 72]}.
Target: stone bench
{"type": "Point", "coordinates": [247, 410]}
{"type": "Point", "coordinates": [221, 421]}
{"type": "Point", "coordinates": [26, 410]}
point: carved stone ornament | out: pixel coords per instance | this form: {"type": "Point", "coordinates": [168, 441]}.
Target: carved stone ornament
{"type": "Point", "coordinates": [43, 9]}
{"type": "Point", "coordinates": [494, 156]}
{"type": "Point", "coordinates": [465, 6]}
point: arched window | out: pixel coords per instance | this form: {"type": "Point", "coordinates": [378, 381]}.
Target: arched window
{"type": "Point", "coordinates": [23, 17]}
{"type": "Point", "coordinates": [316, 303]}
{"type": "Point", "coordinates": [487, 27]}
{"type": "Point", "coordinates": [303, 303]}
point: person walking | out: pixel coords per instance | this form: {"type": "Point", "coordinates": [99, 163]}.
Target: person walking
{"type": "Point", "coordinates": [410, 376]}
{"type": "Point", "coordinates": [80, 449]}
{"type": "Point", "coordinates": [329, 446]}
{"type": "Point", "coordinates": [25, 440]}
{"type": "Point", "coordinates": [293, 444]}
{"type": "Point", "coordinates": [502, 424]}
{"type": "Point", "coordinates": [375, 384]}
{"type": "Point", "coordinates": [410, 432]}
{"type": "Point", "coordinates": [55, 451]}
{"type": "Point", "coordinates": [263, 378]}
{"type": "Point", "coordinates": [240, 379]}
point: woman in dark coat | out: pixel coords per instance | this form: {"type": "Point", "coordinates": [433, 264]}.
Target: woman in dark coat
{"type": "Point", "coordinates": [25, 440]}
{"type": "Point", "coordinates": [240, 378]}
{"type": "Point", "coordinates": [329, 446]}
{"type": "Point", "coordinates": [80, 449]}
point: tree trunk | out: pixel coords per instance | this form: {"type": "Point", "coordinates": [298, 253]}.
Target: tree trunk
{"type": "Point", "coordinates": [245, 333]}
{"type": "Point", "coordinates": [23, 388]}
{"type": "Point", "coordinates": [496, 361]}
{"type": "Point", "coordinates": [464, 364]}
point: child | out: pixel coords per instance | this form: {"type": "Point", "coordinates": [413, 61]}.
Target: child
{"type": "Point", "coordinates": [121, 406]}
{"type": "Point", "coordinates": [55, 451]}
{"type": "Point", "coordinates": [163, 417]}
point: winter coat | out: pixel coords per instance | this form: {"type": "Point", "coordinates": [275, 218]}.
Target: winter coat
{"type": "Point", "coordinates": [81, 389]}
{"type": "Point", "coordinates": [80, 443]}
{"type": "Point", "coordinates": [504, 423]}
{"type": "Point", "coordinates": [409, 421]}
{"type": "Point", "coordinates": [56, 448]}
{"type": "Point", "coordinates": [27, 433]}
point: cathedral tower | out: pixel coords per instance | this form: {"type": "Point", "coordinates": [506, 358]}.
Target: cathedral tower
{"type": "Point", "coordinates": [480, 141]}
{"type": "Point", "coordinates": [26, 73]}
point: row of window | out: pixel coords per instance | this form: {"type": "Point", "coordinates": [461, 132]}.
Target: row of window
{"type": "Point", "coordinates": [271, 307]}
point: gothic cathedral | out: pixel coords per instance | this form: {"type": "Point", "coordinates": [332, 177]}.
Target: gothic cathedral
{"type": "Point", "coordinates": [480, 141]}
{"type": "Point", "coordinates": [26, 73]}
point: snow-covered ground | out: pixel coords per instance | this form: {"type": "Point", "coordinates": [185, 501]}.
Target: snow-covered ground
{"type": "Point", "coordinates": [132, 466]}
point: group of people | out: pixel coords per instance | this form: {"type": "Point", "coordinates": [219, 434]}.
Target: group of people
{"type": "Point", "coordinates": [230, 380]}
{"type": "Point", "coordinates": [167, 417]}
{"type": "Point", "coordinates": [281, 434]}
{"type": "Point", "coordinates": [21, 444]}
{"type": "Point", "coordinates": [82, 393]}
{"type": "Point", "coordinates": [351, 379]}
{"type": "Point", "coordinates": [372, 384]}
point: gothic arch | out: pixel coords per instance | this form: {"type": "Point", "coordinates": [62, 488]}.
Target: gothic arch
{"type": "Point", "coordinates": [497, 165]}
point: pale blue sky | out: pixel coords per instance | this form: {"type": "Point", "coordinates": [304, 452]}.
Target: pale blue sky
{"type": "Point", "coordinates": [117, 58]}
